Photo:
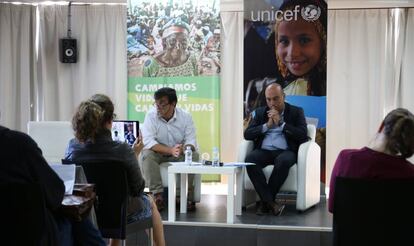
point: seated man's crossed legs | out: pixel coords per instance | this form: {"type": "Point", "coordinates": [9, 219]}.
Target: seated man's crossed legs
{"type": "Point", "coordinates": [150, 163]}
{"type": "Point", "coordinates": [282, 160]}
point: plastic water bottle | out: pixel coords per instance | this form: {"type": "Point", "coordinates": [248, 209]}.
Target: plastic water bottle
{"type": "Point", "coordinates": [188, 155]}
{"type": "Point", "coordinates": [215, 158]}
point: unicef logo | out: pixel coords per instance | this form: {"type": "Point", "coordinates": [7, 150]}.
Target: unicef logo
{"type": "Point", "coordinates": [310, 12]}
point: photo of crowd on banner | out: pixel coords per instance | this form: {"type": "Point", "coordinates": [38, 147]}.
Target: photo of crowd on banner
{"type": "Point", "coordinates": [173, 38]}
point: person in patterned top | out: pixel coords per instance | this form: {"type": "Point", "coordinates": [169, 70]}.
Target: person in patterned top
{"type": "Point", "coordinates": [175, 59]}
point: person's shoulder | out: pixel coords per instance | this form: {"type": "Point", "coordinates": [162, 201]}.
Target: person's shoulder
{"type": "Point", "coordinates": [120, 145]}
{"type": "Point", "coordinates": [182, 113]}
{"type": "Point", "coordinates": [74, 142]}
{"type": "Point", "coordinates": [18, 137]}
{"type": "Point", "coordinates": [349, 152]}
{"type": "Point", "coordinates": [151, 113]}
{"type": "Point", "coordinates": [258, 111]}
{"type": "Point", "coordinates": [353, 156]}
{"type": "Point", "coordinates": [411, 167]}
{"type": "Point", "coordinates": [149, 62]}
{"type": "Point", "coordinates": [293, 107]}
{"type": "Point", "coordinates": [122, 150]}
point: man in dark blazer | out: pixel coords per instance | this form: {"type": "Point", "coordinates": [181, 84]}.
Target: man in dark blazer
{"type": "Point", "coordinates": [277, 131]}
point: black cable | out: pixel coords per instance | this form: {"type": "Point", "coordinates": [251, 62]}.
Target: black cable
{"type": "Point", "coordinates": [69, 16]}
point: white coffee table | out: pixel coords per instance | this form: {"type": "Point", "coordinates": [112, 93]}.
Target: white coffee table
{"type": "Point", "coordinates": [235, 177]}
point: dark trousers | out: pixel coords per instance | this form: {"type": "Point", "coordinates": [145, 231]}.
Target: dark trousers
{"type": "Point", "coordinates": [282, 160]}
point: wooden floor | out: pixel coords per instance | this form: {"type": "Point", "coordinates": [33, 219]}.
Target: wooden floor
{"type": "Point", "coordinates": [207, 226]}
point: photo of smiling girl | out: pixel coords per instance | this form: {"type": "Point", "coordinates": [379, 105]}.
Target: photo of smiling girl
{"type": "Point", "coordinates": [300, 46]}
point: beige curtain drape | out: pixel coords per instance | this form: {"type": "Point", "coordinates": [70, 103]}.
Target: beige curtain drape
{"type": "Point", "coordinates": [100, 31]}
{"type": "Point", "coordinates": [17, 64]}
{"type": "Point", "coordinates": [369, 73]}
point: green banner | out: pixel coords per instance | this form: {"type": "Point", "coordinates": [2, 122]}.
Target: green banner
{"type": "Point", "coordinates": [176, 44]}
{"type": "Point", "coordinates": [198, 95]}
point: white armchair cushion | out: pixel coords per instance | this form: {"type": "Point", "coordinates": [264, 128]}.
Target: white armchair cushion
{"type": "Point", "coordinates": [52, 137]}
{"type": "Point", "coordinates": [303, 178]}
{"type": "Point", "coordinates": [289, 185]}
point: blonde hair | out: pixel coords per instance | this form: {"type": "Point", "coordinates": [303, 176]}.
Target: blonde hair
{"type": "Point", "coordinates": [107, 106]}
{"type": "Point", "coordinates": [87, 121]}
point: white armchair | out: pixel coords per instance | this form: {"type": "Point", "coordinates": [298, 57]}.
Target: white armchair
{"type": "Point", "coordinates": [52, 137]}
{"type": "Point", "coordinates": [303, 178]}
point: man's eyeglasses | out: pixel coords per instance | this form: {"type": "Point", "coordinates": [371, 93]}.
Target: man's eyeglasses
{"type": "Point", "coordinates": [160, 105]}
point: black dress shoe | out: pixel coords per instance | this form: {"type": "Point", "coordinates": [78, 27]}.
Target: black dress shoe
{"type": "Point", "coordinates": [275, 208]}
{"type": "Point", "coordinates": [262, 208]}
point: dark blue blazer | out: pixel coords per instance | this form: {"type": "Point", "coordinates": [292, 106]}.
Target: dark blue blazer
{"type": "Point", "coordinates": [295, 129]}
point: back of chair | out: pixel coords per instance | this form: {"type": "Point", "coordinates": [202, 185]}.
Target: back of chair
{"type": "Point", "coordinates": [112, 192]}
{"type": "Point", "coordinates": [52, 137]}
{"type": "Point", "coordinates": [373, 212]}
{"type": "Point", "coordinates": [311, 131]}
{"type": "Point", "coordinates": [23, 214]}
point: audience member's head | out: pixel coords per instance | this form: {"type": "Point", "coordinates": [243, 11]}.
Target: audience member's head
{"type": "Point", "coordinates": [398, 129]}
{"type": "Point", "coordinates": [107, 106]}
{"type": "Point", "coordinates": [93, 116]}
{"type": "Point", "coordinates": [87, 121]}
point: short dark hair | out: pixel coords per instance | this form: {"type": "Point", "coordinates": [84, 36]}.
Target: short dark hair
{"type": "Point", "coordinates": [168, 92]}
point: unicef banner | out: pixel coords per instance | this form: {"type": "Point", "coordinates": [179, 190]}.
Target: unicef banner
{"type": "Point", "coordinates": [176, 43]}
{"type": "Point", "coordinates": [285, 43]}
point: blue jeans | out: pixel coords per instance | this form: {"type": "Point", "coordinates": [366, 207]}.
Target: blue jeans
{"type": "Point", "coordinates": [78, 233]}
{"type": "Point", "coordinates": [141, 214]}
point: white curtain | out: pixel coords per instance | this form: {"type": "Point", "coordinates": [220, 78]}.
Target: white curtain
{"type": "Point", "coordinates": [231, 84]}
{"type": "Point", "coordinates": [100, 31]}
{"type": "Point", "coordinates": [406, 92]}
{"type": "Point", "coordinates": [365, 50]}
{"type": "Point", "coordinates": [407, 71]}
{"type": "Point", "coordinates": [17, 71]}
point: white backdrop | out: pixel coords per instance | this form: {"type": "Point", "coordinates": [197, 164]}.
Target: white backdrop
{"type": "Point", "coordinates": [407, 71]}
{"type": "Point", "coordinates": [365, 56]}
{"type": "Point", "coordinates": [231, 84]}
{"type": "Point", "coordinates": [40, 80]}
{"type": "Point", "coordinates": [101, 67]}
{"type": "Point", "coordinates": [16, 63]}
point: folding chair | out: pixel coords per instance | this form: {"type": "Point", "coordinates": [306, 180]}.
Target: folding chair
{"type": "Point", "coordinates": [112, 199]}
{"type": "Point", "coordinates": [373, 212]}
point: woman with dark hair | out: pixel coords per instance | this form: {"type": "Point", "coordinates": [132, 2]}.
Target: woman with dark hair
{"type": "Point", "coordinates": [384, 158]}
{"type": "Point", "coordinates": [92, 124]}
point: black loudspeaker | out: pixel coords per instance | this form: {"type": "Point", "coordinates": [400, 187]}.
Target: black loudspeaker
{"type": "Point", "coordinates": [68, 50]}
